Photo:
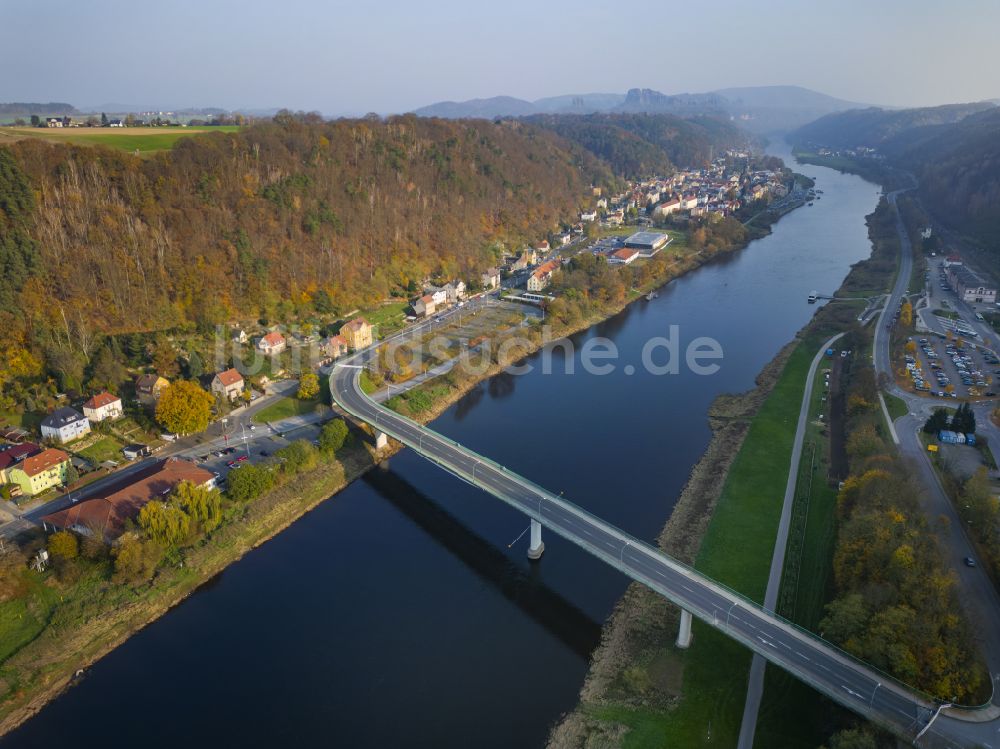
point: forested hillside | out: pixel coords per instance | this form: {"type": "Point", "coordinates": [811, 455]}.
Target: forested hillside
{"type": "Point", "coordinates": [953, 151]}
{"type": "Point", "coordinates": [873, 127]}
{"type": "Point", "coordinates": [260, 221]}
{"type": "Point", "coordinates": [640, 145]}
{"type": "Point", "coordinates": [959, 172]}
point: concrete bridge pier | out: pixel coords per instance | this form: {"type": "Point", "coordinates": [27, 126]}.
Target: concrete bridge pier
{"type": "Point", "coordinates": [381, 440]}
{"type": "Point", "coordinates": [684, 632]}
{"type": "Point", "coordinates": [536, 547]}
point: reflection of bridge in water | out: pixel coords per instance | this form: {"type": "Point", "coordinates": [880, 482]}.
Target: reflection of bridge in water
{"type": "Point", "coordinates": [526, 590]}
{"type": "Point", "coordinates": [836, 674]}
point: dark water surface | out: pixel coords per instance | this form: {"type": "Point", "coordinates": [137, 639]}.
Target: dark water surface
{"type": "Point", "coordinates": [395, 614]}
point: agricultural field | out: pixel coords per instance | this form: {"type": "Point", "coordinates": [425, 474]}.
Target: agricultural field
{"type": "Point", "coordinates": [141, 140]}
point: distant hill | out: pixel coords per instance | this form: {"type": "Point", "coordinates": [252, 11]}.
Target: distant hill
{"type": "Point", "coordinates": [760, 109]}
{"type": "Point", "coordinates": [873, 126]}
{"type": "Point", "coordinates": [497, 106]}
{"type": "Point", "coordinates": [650, 101]}
{"type": "Point", "coordinates": [578, 103]}
{"type": "Point", "coordinates": [768, 109]}
{"type": "Point", "coordinates": [27, 108]}
{"type": "Point", "coordinates": [639, 145]}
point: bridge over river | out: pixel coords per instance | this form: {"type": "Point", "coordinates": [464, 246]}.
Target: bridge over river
{"type": "Point", "coordinates": [857, 686]}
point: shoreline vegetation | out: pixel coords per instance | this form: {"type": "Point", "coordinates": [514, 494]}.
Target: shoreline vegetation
{"type": "Point", "coordinates": [36, 670]}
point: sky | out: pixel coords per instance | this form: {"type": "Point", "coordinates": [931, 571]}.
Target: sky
{"type": "Point", "coordinates": [396, 55]}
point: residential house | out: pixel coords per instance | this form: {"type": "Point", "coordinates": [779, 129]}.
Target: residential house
{"type": "Point", "coordinates": [11, 455]}
{"type": "Point", "coordinates": [149, 387]}
{"type": "Point", "coordinates": [53, 122]}
{"type": "Point", "coordinates": [228, 383]}
{"type": "Point", "coordinates": [490, 279]}
{"type": "Point", "coordinates": [667, 207]}
{"type": "Point", "coordinates": [602, 204]}
{"type": "Point", "coordinates": [358, 333]}
{"type": "Point", "coordinates": [543, 246]}
{"type": "Point", "coordinates": [272, 344]}
{"type": "Point", "coordinates": [542, 276]}
{"type": "Point", "coordinates": [107, 513]}
{"type": "Point", "coordinates": [240, 336]}
{"type": "Point", "coordinates": [454, 292]}
{"type": "Point", "coordinates": [564, 238]}
{"type": "Point", "coordinates": [588, 216]}
{"type": "Point", "coordinates": [334, 347]}
{"type": "Point", "coordinates": [39, 472]}
{"type": "Point", "coordinates": [65, 425]}
{"type": "Point", "coordinates": [103, 406]}
{"type": "Point", "coordinates": [424, 306]}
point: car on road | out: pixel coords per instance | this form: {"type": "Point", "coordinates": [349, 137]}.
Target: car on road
{"type": "Point", "coordinates": [969, 562]}
{"type": "Point", "coordinates": [231, 463]}
{"type": "Point", "coordinates": [241, 459]}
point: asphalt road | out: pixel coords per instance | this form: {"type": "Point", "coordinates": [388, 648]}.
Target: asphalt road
{"type": "Point", "coordinates": [977, 593]}
{"type": "Point", "coordinates": [841, 677]}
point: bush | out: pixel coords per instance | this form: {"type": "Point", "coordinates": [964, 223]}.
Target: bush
{"type": "Point", "coordinates": [333, 436]}
{"type": "Point", "coordinates": [249, 482]}
{"type": "Point", "coordinates": [64, 546]}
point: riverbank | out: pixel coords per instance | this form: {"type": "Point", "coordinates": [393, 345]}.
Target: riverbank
{"type": "Point", "coordinates": [89, 618]}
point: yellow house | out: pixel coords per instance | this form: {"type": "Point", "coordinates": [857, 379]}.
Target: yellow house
{"type": "Point", "coordinates": [39, 472]}
{"type": "Point", "coordinates": [357, 333]}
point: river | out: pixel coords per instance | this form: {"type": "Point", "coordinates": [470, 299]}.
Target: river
{"type": "Point", "coordinates": [396, 614]}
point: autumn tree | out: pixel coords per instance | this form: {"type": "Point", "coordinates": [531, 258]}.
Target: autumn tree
{"type": "Point", "coordinates": [163, 523]}
{"type": "Point", "coordinates": [64, 546]}
{"type": "Point", "coordinates": [202, 504]}
{"type": "Point", "coordinates": [184, 408]}
{"type": "Point", "coordinates": [308, 387]}
{"type": "Point", "coordinates": [906, 314]}
{"type": "Point", "coordinates": [135, 560]}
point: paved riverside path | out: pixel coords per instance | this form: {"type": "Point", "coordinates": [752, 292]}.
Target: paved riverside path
{"type": "Point", "coordinates": [755, 686]}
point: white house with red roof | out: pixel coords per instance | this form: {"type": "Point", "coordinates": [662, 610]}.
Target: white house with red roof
{"type": "Point", "coordinates": [272, 343]}
{"type": "Point", "coordinates": [228, 383]}
{"type": "Point", "coordinates": [103, 406]}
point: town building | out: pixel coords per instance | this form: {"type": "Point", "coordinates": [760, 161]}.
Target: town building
{"type": "Point", "coordinates": [358, 333]}
{"type": "Point", "coordinates": [106, 514]}
{"type": "Point", "coordinates": [424, 306]}
{"type": "Point", "coordinates": [149, 387]}
{"type": "Point", "coordinates": [103, 406]}
{"type": "Point", "coordinates": [11, 455]}
{"type": "Point", "coordinates": [240, 336]}
{"type": "Point", "coordinates": [334, 347]}
{"type": "Point", "coordinates": [542, 276]}
{"type": "Point", "coordinates": [648, 243]}
{"type": "Point", "coordinates": [968, 286]}
{"type": "Point", "coordinates": [623, 256]}
{"type": "Point", "coordinates": [272, 344]}
{"type": "Point", "coordinates": [228, 383]}
{"type": "Point", "coordinates": [64, 425]}
{"type": "Point", "coordinates": [40, 471]}
{"type": "Point", "coordinates": [490, 279]}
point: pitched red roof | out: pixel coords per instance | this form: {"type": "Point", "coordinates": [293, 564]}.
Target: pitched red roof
{"type": "Point", "coordinates": [230, 377]}
{"type": "Point", "coordinates": [100, 400]}
{"type": "Point", "coordinates": [43, 461]}
{"type": "Point", "coordinates": [108, 512]}
{"type": "Point", "coordinates": [273, 339]}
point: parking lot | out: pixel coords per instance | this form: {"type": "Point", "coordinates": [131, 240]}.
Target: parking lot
{"type": "Point", "coordinates": [262, 442]}
{"type": "Point", "coordinates": [951, 367]}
